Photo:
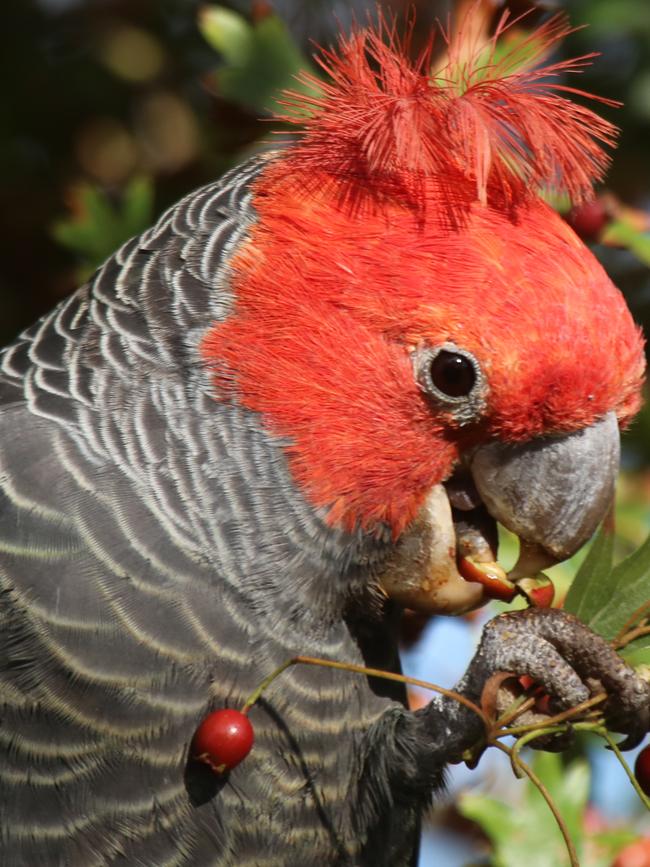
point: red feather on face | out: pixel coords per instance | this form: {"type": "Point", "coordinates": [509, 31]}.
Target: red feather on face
{"type": "Point", "coordinates": [408, 215]}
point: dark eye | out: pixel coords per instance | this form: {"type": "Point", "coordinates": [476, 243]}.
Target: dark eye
{"type": "Point", "coordinates": [452, 374]}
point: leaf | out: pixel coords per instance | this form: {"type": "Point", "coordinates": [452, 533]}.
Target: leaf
{"type": "Point", "coordinates": [606, 17]}
{"type": "Point", "coordinates": [90, 223]}
{"type": "Point", "coordinates": [137, 206]}
{"type": "Point", "coordinates": [569, 788]}
{"type": "Point", "coordinates": [592, 586]}
{"type": "Point", "coordinates": [637, 653]}
{"type": "Point", "coordinates": [502, 825]}
{"type": "Point", "coordinates": [548, 768]}
{"type": "Point", "coordinates": [97, 225]}
{"type": "Point", "coordinates": [494, 817]}
{"type": "Point", "coordinates": [260, 59]}
{"type": "Point", "coordinates": [621, 233]}
{"type": "Point", "coordinates": [529, 834]}
{"type": "Point", "coordinates": [228, 32]}
{"type": "Point", "coordinates": [629, 590]}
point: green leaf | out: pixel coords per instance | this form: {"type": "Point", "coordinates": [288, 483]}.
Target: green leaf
{"type": "Point", "coordinates": [629, 591]}
{"type": "Point", "coordinates": [97, 225]}
{"type": "Point", "coordinates": [260, 59]}
{"type": "Point", "coordinates": [494, 817]}
{"type": "Point", "coordinates": [623, 234]}
{"type": "Point", "coordinates": [228, 32]}
{"type": "Point", "coordinates": [518, 49]}
{"type": "Point", "coordinates": [637, 653]}
{"type": "Point", "coordinates": [550, 771]}
{"type": "Point", "coordinates": [569, 788]}
{"type": "Point", "coordinates": [606, 17]}
{"type": "Point", "coordinates": [591, 588]}
{"type": "Point", "coordinates": [137, 206]}
{"type": "Point", "coordinates": [529, 834]}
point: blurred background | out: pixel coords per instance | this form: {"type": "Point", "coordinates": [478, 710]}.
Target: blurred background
{"type": "Point", "coordinates": [110, 110]}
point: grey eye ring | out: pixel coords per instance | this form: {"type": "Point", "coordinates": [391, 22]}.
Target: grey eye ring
{"type": "Point", "coordinates": [452, 377]}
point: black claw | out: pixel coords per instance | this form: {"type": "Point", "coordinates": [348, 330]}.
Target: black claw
{"type": "Point", "coordinates": [633, 739]}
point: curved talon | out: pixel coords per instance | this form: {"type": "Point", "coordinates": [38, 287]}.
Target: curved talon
{"type": "Point", "coordinates": [631, 741]}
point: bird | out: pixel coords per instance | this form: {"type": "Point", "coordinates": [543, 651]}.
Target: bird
{"type": "Point", "coordinates": [299, 402]}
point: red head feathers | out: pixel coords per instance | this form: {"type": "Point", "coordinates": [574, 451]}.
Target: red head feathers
{"type": "Point", "coordinates": [407, 217]}
{"type": "Point", "coordinates": [491, 120]}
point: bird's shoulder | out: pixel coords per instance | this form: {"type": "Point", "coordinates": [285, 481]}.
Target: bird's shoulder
{"type": "Point", "coordinates": [145, 308]}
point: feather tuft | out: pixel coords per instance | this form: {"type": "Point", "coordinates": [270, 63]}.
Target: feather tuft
{"type": "Point", "coordinates": [501, 120]}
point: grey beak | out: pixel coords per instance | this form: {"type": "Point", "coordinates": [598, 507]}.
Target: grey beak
{"type": "Point", "coordinates": [551, 492]}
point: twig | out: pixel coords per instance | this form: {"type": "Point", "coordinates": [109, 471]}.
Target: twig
{"type": "Point", "coordinates": [369, 672]}
{"type": "Point", "coordinates": [619, 755]}
{"type": "Point", "coordinates": [520, 743]}
{"type": "Point", "coordinates": [631, 635]}
{"type": "Point", "coordinates": [636, 615]}
{"type": "Point", "coordinates": [535, 780]}
{"type": "Point", "coordinates": [511, 713]}
{"type": "Point", "coordinates": [564, 716]}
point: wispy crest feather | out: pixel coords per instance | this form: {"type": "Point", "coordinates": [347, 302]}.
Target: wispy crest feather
{"type": "Point", "coordinates": [484, 116]}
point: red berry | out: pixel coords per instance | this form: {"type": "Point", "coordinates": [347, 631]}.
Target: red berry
{"type": "Point", "coordinates": [538, 590]}
{"type": "Point", "coordinates": [637, 854]}
{"type": "Point", "coordinates": [642, 770]}
{"type": "Point", "coordinates": [526, 681]}
{"type": "Point", "coordinates": [223, 740]}
{"type": "Point", "coordinates": [588, 220]}
{"type": "Point", "coordinates": [542, 699]}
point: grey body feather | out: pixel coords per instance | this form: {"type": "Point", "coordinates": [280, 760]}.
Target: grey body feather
{"type": "Point", "coordinates": [156, 561]}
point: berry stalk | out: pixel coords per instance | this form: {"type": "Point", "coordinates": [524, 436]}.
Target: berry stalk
{"type": "Point", "coordinates": [368, 672]}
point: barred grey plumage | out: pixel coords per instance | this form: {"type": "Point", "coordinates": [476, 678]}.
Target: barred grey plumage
{"type": "Point", "coordinates": [156, 561]}
{"type": "Point", "coordinates": [129, 503]}
{"type": "Point", "coordinates": [131, 576]}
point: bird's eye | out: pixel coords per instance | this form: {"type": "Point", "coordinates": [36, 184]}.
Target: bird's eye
{"type": "Point", "coordinates": [452, 377]}
{"type": "Point", "coordinates": [452, 374]}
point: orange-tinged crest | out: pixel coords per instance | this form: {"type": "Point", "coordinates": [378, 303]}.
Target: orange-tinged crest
{"type": "Point", "coordinates": [484, 115]}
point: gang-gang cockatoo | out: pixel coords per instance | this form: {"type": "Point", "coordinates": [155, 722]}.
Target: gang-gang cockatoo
{"type": "Point", "coordinates": [301, 399]}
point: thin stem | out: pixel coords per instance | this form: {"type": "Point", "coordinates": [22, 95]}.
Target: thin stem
{"type": "Point", "coordinates": [636, 615]}
{"type": "Point", "coordinates": [631, 635]}
{"type": "Point", "coordinates": [511, 713]}
{"type": "Point", "coordinates": [515, 759]}
{"type": "Point", "coordinates": [619, 755]}
{"type": "Point", "coordinates": [400, 678]}
{"type": "Point", "coordinates": [253, 697]}
{"type": "Point", "coordinates": [565, 716]}
{"type": "Point", "coordinates": [535, 780]}
{"type": "Point", "coordinates": [369, 672]}
{"type": "Point", "coordinates": [525, 733]}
